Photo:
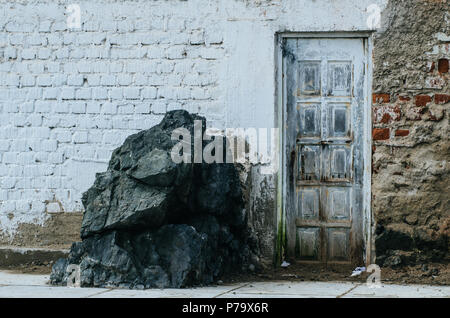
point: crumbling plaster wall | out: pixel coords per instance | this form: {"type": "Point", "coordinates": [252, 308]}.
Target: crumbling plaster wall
{"type": "Point", "coordinates": [411, 148]}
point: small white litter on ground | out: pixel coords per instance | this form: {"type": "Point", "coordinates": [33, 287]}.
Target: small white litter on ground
{"type": "Point", "coordinates": [358, 271]}
{"type": "Point", "coordinates": [285, 264]}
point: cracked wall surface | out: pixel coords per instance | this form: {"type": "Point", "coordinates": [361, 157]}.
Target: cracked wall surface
{"type": "Point", "coordinates": [411, 149]}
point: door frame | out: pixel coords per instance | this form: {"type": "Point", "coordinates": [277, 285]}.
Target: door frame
{"type": "Point", "coordinates": [280, 111]}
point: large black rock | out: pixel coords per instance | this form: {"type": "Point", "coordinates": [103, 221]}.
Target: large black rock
{"type": "Point", "coordinates": [149, 222]}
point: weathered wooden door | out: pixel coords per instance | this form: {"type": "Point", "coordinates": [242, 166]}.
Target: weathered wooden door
{"type": "Point", "coordinates": [324, 91]}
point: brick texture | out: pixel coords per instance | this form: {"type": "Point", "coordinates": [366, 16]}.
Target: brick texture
{"type": "Point", "coordinates": [441, 98]}
{"type": "Point", "coordinates": [422, 100]}
{"type": "Point", "coordinates": [381, 98]}
{"type": "Point", "coordinates": [443, 65]}
{"type": "Point", "coordinates": [380, 134]}
{"type": "Point", "coordinates": [401, 132]}
{"type": "Point", "coordinates": [69, 97]}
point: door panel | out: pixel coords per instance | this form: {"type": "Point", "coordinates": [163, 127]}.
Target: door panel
{"type": "Point", "coordinates": [338, 204]}
{"type": "Point", "coordinates": [308, 163]}
{"type": "Point", "coordinates": [309, 78]}
{"type": "Point", "coordinates": [339, 78]}
{"type": "Point", "coordinates": [338, 244]}
{"type": "Point", "coordinates": [324, 98]}
{"type": "Point", "coordinates": [339, 162]}
{"type": "Point", "coordinates": [308, 203]}
{"type": "Point", "coordinates": [338, 120]}
{"type": "Point", "coordinates": [308, 243]}
{"type": "Point", "coordinates": [309, 120]}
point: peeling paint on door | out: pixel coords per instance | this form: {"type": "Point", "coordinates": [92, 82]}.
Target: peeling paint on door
{"type": "Point", "coordinates": [324, 81]}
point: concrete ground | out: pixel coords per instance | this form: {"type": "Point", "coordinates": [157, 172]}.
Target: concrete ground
{"type": "Point", "coordinates": [26, 285]}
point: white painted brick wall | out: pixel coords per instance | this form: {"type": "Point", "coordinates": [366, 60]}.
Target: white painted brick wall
{"type": "Point", "coordinates": [69, 97]}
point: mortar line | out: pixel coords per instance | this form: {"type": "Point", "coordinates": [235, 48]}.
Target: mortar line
{"type": "Point", "coordinates": [233, 289]}
{"type": "Point", "coordinates": [348, 291]}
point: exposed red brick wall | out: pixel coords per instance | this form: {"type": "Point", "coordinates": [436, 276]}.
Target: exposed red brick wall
{"type": "Point", "coordinates": [441, 98]}
{"type": "Point", "coordinates": [422, 100]}
{"type": "Point", "coordinates": [401, 132]}
{"type": "Point", "coordinates": [443, 66]}
{"type": "Point", "coordinates": [386, 113]}
{"type": "Point", "coordinates": [381, 98]}
{"type": "Point", "coordinates": [398, 113]}
{"type": "Point", "coordinates": [380, 133]}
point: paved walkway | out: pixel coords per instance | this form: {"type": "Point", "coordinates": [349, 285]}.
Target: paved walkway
{"type": "Point", "coordinates": [24, 285]}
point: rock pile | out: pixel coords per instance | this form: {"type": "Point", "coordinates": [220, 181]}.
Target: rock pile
{"type": "Point", "coordinates": [149, 222]}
